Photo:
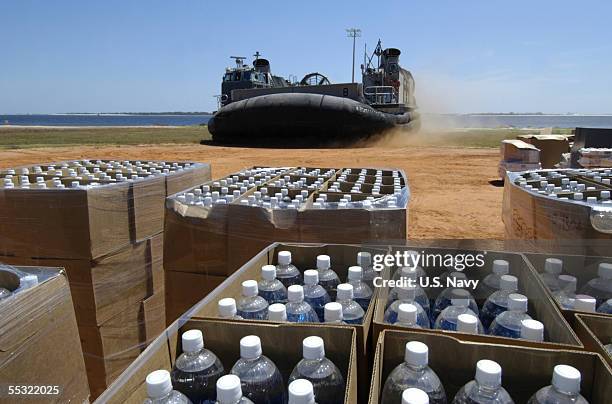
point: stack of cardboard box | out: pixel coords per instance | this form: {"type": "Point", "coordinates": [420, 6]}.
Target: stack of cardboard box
{"type": "Point", "coordinates": [205, 244]}
{"type": "Point", "coordinates": [40, 353]}
{"type": "Point", "coordinates": [102, 221]}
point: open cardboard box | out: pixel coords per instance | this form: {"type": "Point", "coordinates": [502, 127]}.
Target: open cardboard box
{"type": "Point", "coordinates": [39, 340]}
{"type": "Point", "coordinates": [595, 331]}
{"type": "Point", "coordinates": [524, 369]}
{"type": "Point", "coordinates": [282, 343]}
{"type": "Point", "coordinates": [303, 257]}
{"type": "Point", "coordinates": [541, 306]}
{"type": "Point", "coordinates": [584, 268]}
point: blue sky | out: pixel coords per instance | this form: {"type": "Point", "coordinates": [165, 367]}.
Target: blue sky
{"type": "Point", "coordinates": [466, 56]}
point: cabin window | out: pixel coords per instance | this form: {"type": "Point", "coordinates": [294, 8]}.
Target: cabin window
{"type": "Point", "coordinates": [246, 76]}
{"type": "Point", "coordinates": [227, 77]}
{"type": "Point", "coordinates": [237, 76]}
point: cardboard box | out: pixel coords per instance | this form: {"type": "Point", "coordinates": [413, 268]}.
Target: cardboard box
{"type": "Point", "coordinates": [114, 345]}
{"type": "Point", "coordinates": [185, 289]}
{"type": "Point", "coordinates": [280, 342]}
{"type": "Point", "coordinates": [551, 147]}
{"type": "Point", "coordinates": [524, 370]}
{"type": "Point", "coordinates": [517, 150]}
{"type": "Point", "coordinates": [303, 257]}
{"type": "Point", "coordinates": [595, 331]}
{"type": "Point", "coordinates": [584, 268]}
{"type": "Point", "coordinates": [39, 340]}
{"type": "Point", "coordinates": [557, 331]}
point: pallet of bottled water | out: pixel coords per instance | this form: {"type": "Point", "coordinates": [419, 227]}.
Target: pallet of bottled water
{"type": "Point", "coordinates": [412, 367]}
{"type": "Point", "coordinates": [558, 204]}
{"type": "Point", "coordinates": [577, 283]}
{"type": "Point", "coordinates": [216, 361]}
{"type": "Point", "coordinates": [216, 227]}
{"type": "Point", "coordinates": [476, 295]}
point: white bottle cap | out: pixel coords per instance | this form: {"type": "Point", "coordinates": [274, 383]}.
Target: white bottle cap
{"type": "Point", "coordinates": [345, 292]}
{"type": "Point", "coordinates": [277, 312]}
{"type": "Point", "coordinates": [355, 273]}
{"type": "Point", "coordinates": [193, 341]}
{"type": "Point", "coordinates": [333, 312]}
{"type": "Point", "coordinates": [414, 396]}
{"type": "Point", "coordinates": [313, 348]}
{"type": "Point", "coordinates": [407, 313]}
{"type": "Point", "coordinates": [284, 257]}
{"type": "Point", "coordinates": [227, 307]}
{"type": "Point", "coordinates": [249, 288]}
{"type": "Point", "coordinates": [158, 384]}
{"type": "Point", "coordinates": [458, 275]}
{"type": "Point", "coordinates": [406, 292]}
{"type": "Point", "coordinates": [250, 347]}
{"type": "Point", "coordinates": [566, 379]}
{"type": "Point", "coordinates": [311, 277]}
{"type": "Point", "coordinates": [416, 353]}
{"type": "Point", "coordinates": [553, 266]}
{"type": "Point", "coordinates": [364, 259]}
{"type": "Point", "coordinates": [517, 302]}
{"type": "Point", "coordinates": [501, 267]}
{"type": "Point", "coordinates": [460, 297]}
{"type": "Point", "coordinates": [268, 272]}
{"type": "Point", "coordinates": [467, 323]}
{"type": "Point", "coordinates": [488, 373]}
{"type": "Point", "coordinates": [584, 303]}
{"type": "Point", "coordinates": [605, 270]}
{"type": "Point", "coordinates": [229, 390]}
{"type": "Point", "coordinates": [568, 282]}
{"type": "Point", "coordinates": [323, 262]}
{"type": "Point", "coordinates": [301, 392]}
{"type": "Point", "coordinates": [508, 282]}
{"type": "Point", "coordinates": [295, 293]}
{"type": "Point", "coordinates": [532, 330]}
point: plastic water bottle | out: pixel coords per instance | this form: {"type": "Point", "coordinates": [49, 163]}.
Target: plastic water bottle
{"type": "Point", "coordinates": [508, 323]}
{"type": "Point", "coordinates": [406, 294]}
{"type": "Point", "coordinates": [361, 291]}
{"type": "Point", "coordinates": [227, 309]}
{"type": "Point", "coordinates": [486, 388]}
{"type": "Point", "coordinates": [407, 316]}
{"type": "Point", "coordinates": [196, 370]}
{"type": "Point", "coordinates": [410, 279]}
{"type": "Point", "coordinates": [229, 391]}
{"type": "Point", "coordinates": [497, 303]}
{"type": "Point", "coordinates": [584, 303]}
{"type": "Point", "coordinates": [271, 288]}
{"type": "Point", "coordinates": [333, 313]}
{"type": "Point", "coordinates": [608, 349]}
{"type": "Point", "coordinates": [408, 272]}
{"type": "Point", "coordinates": [564, 388]}
{"type": "Point", "coordinates": [532, 330]}
{"type": "Point", "coordinates": [298, 311]}
{"type": "Point", "coordinates": [4, 293]}
{"type": "Point", "coordinates": [159, 389]}
{"type": "Point", "coordinates": [364, 260]}
{"type": "Point", "coordinates": [566, 294]}
{"type": "Point", "coordinates": [604, 308]}
{"type": "Point", "coordinates": [250, 305]}
{"type": "Point", "coordinates": [414, 396]}
{"type": "Point", "coordinates": [601, 287]}
{"type": "Point", "coordinates": [286, 272]}
{"type": "Point", "coordinates": [261, 380]}
{"type": "Point", "coordinates": [327, 277]}
{"type": "Point", "coordinates": [277, 312]}
{"type": "Point", "coordinates": [352, 313]}
{"type": "Point", "coordinates": [324, 375]}
{"type": "Point", "coordinates": [491, 282]}
{"type": "Point", "coordinates": [314, 294]}
{"type": "Point", "coordinates": [552, 270]}
{"type": "Point", "coordinates": [301, 391]}
{"type": "Point", "coordinates": [413, 372]}
{"type": "Point", "coordinates": [444, 300]}
{"type": "Point", "coordinates": [460, 301]}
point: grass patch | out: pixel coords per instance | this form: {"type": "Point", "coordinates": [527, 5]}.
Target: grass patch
{"type": "Point", "coordinates": [489, 138]}
{"type": "Point", "coordinates": [21, 138]}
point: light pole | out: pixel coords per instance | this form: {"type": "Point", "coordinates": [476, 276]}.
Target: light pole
{"type": "Point", "coordinates": [353, 33]}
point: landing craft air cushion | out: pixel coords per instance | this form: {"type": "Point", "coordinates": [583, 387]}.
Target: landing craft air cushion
{"type": "Point", "coordinates": [257, 106]}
